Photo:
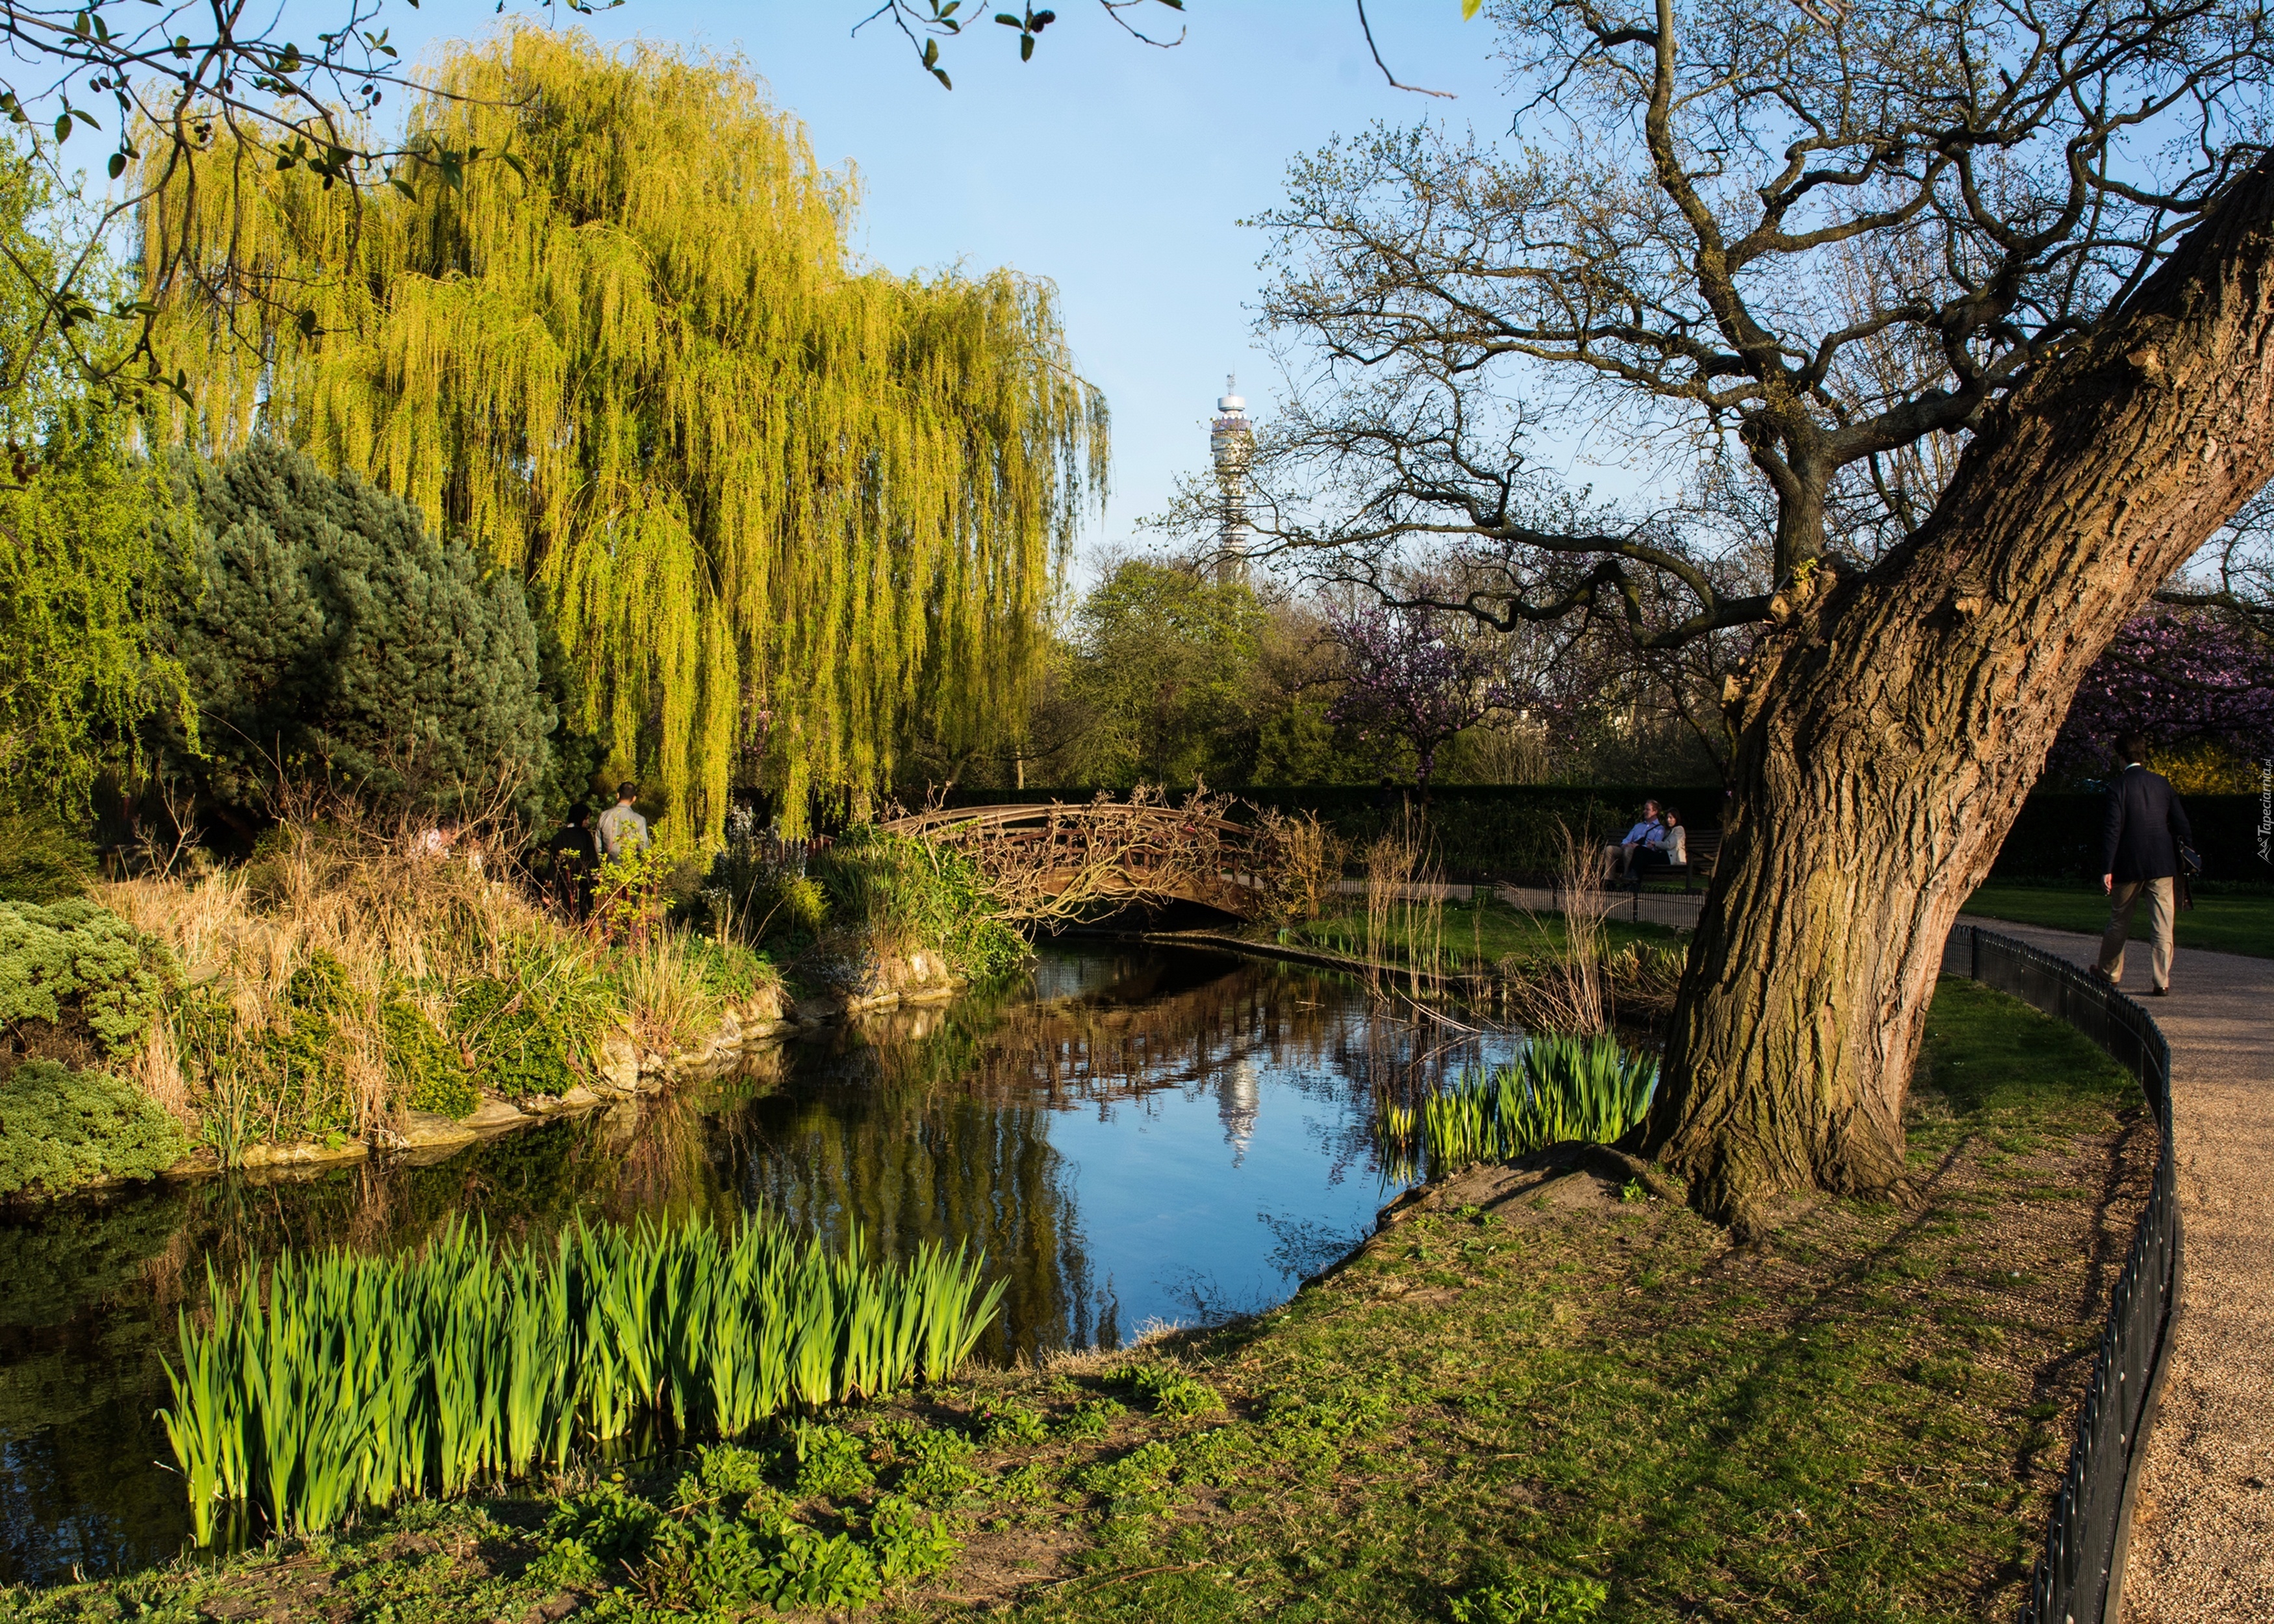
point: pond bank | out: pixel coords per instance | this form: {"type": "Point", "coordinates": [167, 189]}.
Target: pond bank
{"type": "Point", "coordinates": [1529, 1391]}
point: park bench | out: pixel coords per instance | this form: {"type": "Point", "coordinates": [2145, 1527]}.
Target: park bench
{"type": "Point", "coordinates": [1704, 847]}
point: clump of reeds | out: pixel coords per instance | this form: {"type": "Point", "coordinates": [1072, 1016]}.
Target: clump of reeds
{"type": "Point", "coordinates": [1302, 867]}
{"type": "Point", "coordinates": [1405, 900]}
{"type": "Point", "coordinates": [332, 1382]}
{"type": "Point", "coordinates": [1570, 994]}
{"type": "Point", "coordinates": [1558, 1090]}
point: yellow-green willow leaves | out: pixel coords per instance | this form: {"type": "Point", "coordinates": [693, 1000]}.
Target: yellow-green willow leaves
{"type": "Point", "coordinates": [777, 498]}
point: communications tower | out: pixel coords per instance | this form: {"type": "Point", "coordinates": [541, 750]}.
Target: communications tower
{"type": "Point", "coordinates": [1232, 448]}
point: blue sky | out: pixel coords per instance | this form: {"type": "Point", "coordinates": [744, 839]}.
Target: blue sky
{"type": "Point", "coordinates": [1116, 170]}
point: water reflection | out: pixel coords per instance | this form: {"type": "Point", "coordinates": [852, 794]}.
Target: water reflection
{"type": "Point", "coordinates": [1131, 1134]}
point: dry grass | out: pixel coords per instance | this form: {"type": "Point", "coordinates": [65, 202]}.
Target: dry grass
{"type": "Point", "coordinates": [1302, 867]}
{"type": "Point", "coordinates": [668, 1003]}
{"type": "Point", "coordinates": [1571, 995]}
{"type": "Point", "coordinates": [394, 909]}
{"type": "Point", "coordinates": [1405, 899]}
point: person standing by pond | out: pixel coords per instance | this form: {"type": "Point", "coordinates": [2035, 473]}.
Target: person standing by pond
{"type": "Point", "coordinates": [576, 858]}
{"type": "Point", "coordinates": [2140, 856]}
{"type": "Point", "coordinates": [622, 830]}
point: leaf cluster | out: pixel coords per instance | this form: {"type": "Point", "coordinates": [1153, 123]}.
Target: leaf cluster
{"type": "Point", "coordinates": [60, 1130]}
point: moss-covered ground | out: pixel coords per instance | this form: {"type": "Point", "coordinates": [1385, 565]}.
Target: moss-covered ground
{"type": "Point", "coordinates": [1532, 1395]}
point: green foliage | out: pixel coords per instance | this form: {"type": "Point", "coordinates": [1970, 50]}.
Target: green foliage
{"type": "Point", "coordinates": [941, 1468]}
{"type": "Point", "coordinates": [332, 637]}
{"type": "Point", "coordinates": [531, 1031]}
{"type": "Point", "coordinates": [74, 960]}
{"type": "Point", "coordinates": [89, 534]}
{"type": "Point", "coordinates": [423, 1066]}
{"type": "Point", "coordinates": [1542, 1599]}
{"type": "Point", "coordinates": [60, 1130]}
{"type": "Point", "coordinates": [331, 1382]}
{"type": "Point", "coordinates": [1008, 1422]}
{"type": "Point", "coordinates": [1143, 1471]}
{"type": "Point", "coordinates": [1092, 1418]}
{"type": "Point", "coordinates": [730, 970]}
{"type": "Point", "coordinates": [901, 894]}
{"type": "Point", "coordinates": [302, 1063]}
{"type": "Point", "coordinates": [1171, 1391]}
{"type": "Point", "coordinates": [42, 858]}
{"type": "Point", "coordinates": [641, 348]}
{"type": "Point", "coordinates": [1560, 1089]}
{"type": "Point", "coordinates": [1164, 664]}
{"type": "Point", "coordinates": [606, 1523]}
{"type": "Point", "coordinates": [831, 1464]}
{"type": "Point", "coordinates": [909, 1542]}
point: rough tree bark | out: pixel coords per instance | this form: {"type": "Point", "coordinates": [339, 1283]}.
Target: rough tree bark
{"type": "Point", "coordinates": [1890, 724]}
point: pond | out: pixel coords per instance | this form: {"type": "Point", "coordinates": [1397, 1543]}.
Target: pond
{"type": "Point", "coordinates": [1136, 1135]}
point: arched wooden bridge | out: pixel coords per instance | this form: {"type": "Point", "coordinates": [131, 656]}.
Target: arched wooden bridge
{"type": "Point", "coordinates": [1053, 860]}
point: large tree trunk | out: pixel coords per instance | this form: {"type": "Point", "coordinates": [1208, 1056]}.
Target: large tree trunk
{"type": "Point", "coordinates": [1891, 723]}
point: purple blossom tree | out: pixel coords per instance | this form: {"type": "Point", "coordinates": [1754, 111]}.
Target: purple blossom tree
{"type": "Point", "coordinates": [1409, 680]}
{"type": "Point", "coordinates": [2179, 679]}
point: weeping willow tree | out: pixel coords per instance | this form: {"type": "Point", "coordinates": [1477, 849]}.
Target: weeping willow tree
{"type": "Point", "coordinates": [777, 498]}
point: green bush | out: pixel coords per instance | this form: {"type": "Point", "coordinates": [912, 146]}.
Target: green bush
{"type": "Point", "coordinates": [423, 1065]}
{"type": "Point", "coordinates": [62, 1130]}
{"type": "Point", "coordinates": [304, 1060]}
{"type": "Point", "coordinates": [41, 858]}
{"type": "Point", "coordinates": [904, 894]}
{"type": "Point", "coordinates": [518, 1049]}
{"type": "Point", "coordinates": [729, 969]}
{"type": "Point", "coordinates": [74, 959]}
{"type": "Point", "coordinates": [530, 1034]}
{"type": "Point", "coordinates": [332, 636]}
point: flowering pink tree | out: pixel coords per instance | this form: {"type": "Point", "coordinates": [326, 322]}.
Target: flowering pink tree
{"type": "Point", "coordinates": [2179, 679]}
{"type": "Point", "coordinates": [1413, 677]}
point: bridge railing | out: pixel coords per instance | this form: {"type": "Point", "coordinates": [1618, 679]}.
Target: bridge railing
{"type": "Point", "coordinates": [2080, 1575]}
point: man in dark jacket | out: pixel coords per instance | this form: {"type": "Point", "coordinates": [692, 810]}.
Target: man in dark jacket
{"type": "Point", "coordinates": [2140, 854]}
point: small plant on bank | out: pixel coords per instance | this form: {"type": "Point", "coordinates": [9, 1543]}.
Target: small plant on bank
{"type": "Point", "coordinates": [1544, 1599]}
{"type": "Point", "coordinates": [62, 1130]}
{"type": "Point", "coordinates": [73, 963]}
{"type": "Point", "coordinates": [1559, 1090]}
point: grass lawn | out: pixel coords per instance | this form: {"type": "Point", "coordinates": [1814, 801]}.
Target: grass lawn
{"type": "Point", "coordinates": [1481, 933]}
{"type": "Point", "coordinates": [2220, 922]}
{"type": "Point", "coordinates": [1534, 1397]}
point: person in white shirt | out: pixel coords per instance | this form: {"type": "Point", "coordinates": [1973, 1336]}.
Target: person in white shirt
{"type": "Point", "coordinates": [622, 830]}
{"type": "Point", "coordinates": [1648, 831]}
{"type": "Point", "coordinates": [1671, 847]}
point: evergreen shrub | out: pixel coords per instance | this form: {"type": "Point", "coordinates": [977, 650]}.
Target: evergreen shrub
{"type": "Point", "coordinates": [306, 1058]}
{"type": "Point", "coordinates": [73, 960]}
{"type": "Point", "coordinates": [62, 1130]}
{"type": "Point", "coordinates": [529, 1032]}
{"type": "Point", "coordinates": [424, 1067]}
{"type": "Point", "coordinates": [333, 638]}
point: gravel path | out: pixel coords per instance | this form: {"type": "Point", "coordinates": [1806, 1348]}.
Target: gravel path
{"type": "Point", "coordinates": [2202, 1531]}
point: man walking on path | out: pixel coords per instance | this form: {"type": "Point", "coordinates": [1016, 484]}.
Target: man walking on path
{"type": "Point", "coordinates": [623, 832]}
{"type": "Point", "coordinates": [2139, 854]}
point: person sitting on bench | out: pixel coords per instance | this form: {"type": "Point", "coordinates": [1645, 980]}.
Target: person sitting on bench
{"type": "Point", "coordinates": [1669, 851]}
{"type": "Point", "coordinates": [1647, 830]}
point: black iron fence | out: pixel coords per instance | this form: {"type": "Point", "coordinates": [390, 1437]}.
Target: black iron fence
{"type": "Point", "coordinates": [2080, 1577]}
